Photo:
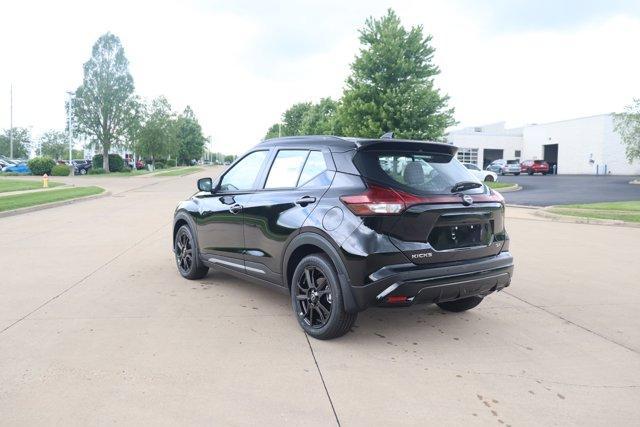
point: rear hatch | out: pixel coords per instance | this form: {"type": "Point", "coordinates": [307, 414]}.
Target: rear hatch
{"type": "Point", "coordinates": [440, 220]}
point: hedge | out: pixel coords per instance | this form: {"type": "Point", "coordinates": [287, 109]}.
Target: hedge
{"type": "Point", "coordinates": [96, 171]}
{"type": "Point", "coordinates": [41, 165]}
{"type": "Point", "coordinates": [116, 163]}
{"type": "Point", "coordinates": [60, 170]}
{"type": "Point", "coordinates": [171, 163]}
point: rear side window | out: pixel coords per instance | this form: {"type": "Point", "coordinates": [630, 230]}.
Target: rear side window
{"type": "Point", "coordinates": [513, 162]}
{"type": "Point", "coordinates": [286, 168]}
{"type": "Point", "coordinates": [415, 172]}
{"type": "Point", "coordinates": [314, 166]}
{"type": "Point", "coordinates": [244, 173]}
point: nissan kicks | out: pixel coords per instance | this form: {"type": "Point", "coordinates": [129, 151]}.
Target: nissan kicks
{"type": "Point", "coordinates": [342, 224]}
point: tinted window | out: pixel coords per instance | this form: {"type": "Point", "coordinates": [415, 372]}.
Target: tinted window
{"type": "Point", "coordinates": [414, 172]}
{"type": "Point", "coordinates": [513, 162]}
{"type": "Point", "coordinates": [285, 169]}
{"type": "Point", "coordinates": [472, 167]}
{"type": "Point", "coordinates": [314, 166]}
{"type": "Point", "coordinates": [244, 173]}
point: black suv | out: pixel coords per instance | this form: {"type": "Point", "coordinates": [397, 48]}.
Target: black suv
{"type": "Point", "coordinates": [342, 224]}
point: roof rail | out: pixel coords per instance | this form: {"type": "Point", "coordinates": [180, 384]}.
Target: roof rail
{"type": "Point", "coordinates": [388, 135]}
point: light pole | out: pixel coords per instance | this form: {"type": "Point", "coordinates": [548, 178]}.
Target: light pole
{"type": "Point", "coordinates": [11, 123]}
{"type": "Point", "coordinates": [69, 135]}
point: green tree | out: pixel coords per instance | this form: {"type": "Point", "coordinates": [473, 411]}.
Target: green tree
{"type": "Point", "coordinates": [391, 86]}
{"type": "Point", "coordinates": [21, 142]}
{"type": "Point", "coordinates": [305, 118]}
{"type": "Point", "coordinates": [627, 124]}
{"type": "Point", "coordinates": [320, 119]}
{"type": "Point", "coordinates": [156, 136]}
{"type": "Point", "coordinates": [54, 144]}
{"type": "Point", "coordinates": [104, 106]}
{"type": "Point", "coordinates": [189, 138]}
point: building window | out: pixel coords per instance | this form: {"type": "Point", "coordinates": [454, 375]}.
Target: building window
{"type": "Point", "coordinates": [517, 155]}
{"type": "Point", "coordinates": [468, 155]}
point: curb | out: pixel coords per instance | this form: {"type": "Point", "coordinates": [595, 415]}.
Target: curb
{"type": "Point", "coordinates": [509, 205]}
{"type": "Point", "coordinates": [37, 190]}
{"type": "Point", "coordinates": [52, 205]}
{"type": "Point", "coordinates": [508, 189]}
{"type": "Point", "coordinates": [580, 220]}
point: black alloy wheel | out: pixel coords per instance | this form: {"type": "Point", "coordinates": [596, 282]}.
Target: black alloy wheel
{"type": "Point", "coordinates": [313, 296]}
{"type": "Point", "coordinates": [316, 297]}
{"type": "Point", "coordinates": [187, 256]}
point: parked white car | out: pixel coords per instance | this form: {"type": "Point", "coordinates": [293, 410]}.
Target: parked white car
{"type": "Point", "coordinates": [480, 174]}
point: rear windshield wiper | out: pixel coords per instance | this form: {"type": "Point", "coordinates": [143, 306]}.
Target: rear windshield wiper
{"type": "Point", "coordinates": [465, 185]}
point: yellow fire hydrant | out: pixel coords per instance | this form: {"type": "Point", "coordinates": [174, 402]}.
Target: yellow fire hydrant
{"type": "Point", "coordinates": [45, 181]}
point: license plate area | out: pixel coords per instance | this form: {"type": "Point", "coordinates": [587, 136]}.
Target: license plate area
{"type": "Point", "coordinates": [458, 236]}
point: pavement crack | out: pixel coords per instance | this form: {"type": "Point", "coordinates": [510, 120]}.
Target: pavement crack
{"type": "Point", "coordinates": [584, 328]}
{"type": "Point", "coordinates": [83, 279]}
{"type": "Point", "coordinates": [326, 390]}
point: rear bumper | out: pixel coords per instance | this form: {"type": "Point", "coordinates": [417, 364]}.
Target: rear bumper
{"type": "Point", "coordinates": [420, 284]}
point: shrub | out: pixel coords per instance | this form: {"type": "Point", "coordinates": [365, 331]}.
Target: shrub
{"type": "Point", "coordinates": [96, 171]}
{"type": "Point", "coordinates": [41, 165]}
{"type": "Point", "coordinates": [159, 165]}
{"type": "Point", "coordinates": [60, 170]}
{"type": "Point", "coordinates": [171, 163]}
{"type": "Point", "coordinates": [116, 163]}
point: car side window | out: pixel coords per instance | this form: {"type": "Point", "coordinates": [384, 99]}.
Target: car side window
{"type": "Point", "coordinates": [286, 167]}
{"type": "Point", "coordinates": [243, 174]}
{"type": "Point", "coordinates": [314, 166]}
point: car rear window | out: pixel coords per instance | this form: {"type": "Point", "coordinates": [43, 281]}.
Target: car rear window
{"type": "Point", "coordinates": [415, 172]}
{"type": "Point", "coordinates": [513, 162]}
{"type": "Point", "coordinates": [538, 162]}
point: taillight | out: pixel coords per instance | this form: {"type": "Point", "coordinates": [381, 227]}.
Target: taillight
{"type": "Point", "coordinates": [378, 200]}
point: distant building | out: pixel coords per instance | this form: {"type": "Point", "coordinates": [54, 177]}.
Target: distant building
{"type": "Point", "coordinates": [587, 145]}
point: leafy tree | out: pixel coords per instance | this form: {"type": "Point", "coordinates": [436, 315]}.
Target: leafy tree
{"type": "Point", "coordinates": [306, 118]}
{"type": "Point", "coordinates": [627, 124]}
{"type": "Point", "coordinates": [320, 119]}
{"type": "Point", "coordinates": [54, 144]}
{"type": "Point", "coordinates": [104, 106]}
{"type": "Point", "coordinates": [391, 87]}
{"type": "Point", "coordinates": [189, 137]}
{"type": "Point", "coordinates": [229, 158]}
{"type": "Point", "coordinates": [156, 136]}
{"type": "Point", "coordinates": [21, 142]}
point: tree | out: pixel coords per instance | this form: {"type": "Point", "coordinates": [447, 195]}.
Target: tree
{"type": "Point", "coordinates": [189, 137]}
{"type": "Point", "coordinates": [305, 118]}
{"type": "Point", "coordinates": [627, 124]}
{"type": "Point", "coordinates": [21, 142]}
{"type": "Point", "coordinates": [54, 144]}
{"type": "Point", "coordinates": [104, 106]}
{"type": "Point", "coordinates": [391, 87]}
{"type": "Point", "coordinates": [156, 136]}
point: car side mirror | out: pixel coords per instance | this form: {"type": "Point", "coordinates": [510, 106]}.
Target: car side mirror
{"type": "Point", "coordinates": [205, 184]}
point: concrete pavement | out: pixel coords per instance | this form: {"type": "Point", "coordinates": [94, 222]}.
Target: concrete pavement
{"type": "Point", "coordinates": [97, 327]}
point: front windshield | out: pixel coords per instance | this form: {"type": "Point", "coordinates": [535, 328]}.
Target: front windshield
{"type": "Point", "coordinates": [415, 172]}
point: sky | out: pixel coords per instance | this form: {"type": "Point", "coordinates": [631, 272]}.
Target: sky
{"type": "Point", "coordinates": [240, 64]}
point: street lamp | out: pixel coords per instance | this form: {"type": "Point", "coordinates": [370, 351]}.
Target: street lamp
{"type": "Point", "coordinates": [69, 135]}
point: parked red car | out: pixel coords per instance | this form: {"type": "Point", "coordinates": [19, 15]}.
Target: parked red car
{"type": "Point", "coordinates": [534, 166]}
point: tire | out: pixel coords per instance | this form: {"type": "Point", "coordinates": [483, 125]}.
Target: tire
{"type": "Point", "coordinates": [459, 305]}
{"type": "Point", "coordinates": [529, 172]}
{"type": "Point", "coordinates": [312, 302]}
{"type": "Point", "coordinates": [489, 178]}
{"type": "Point", "coordinates": [83, 171]}
{"type": "Point", "coordinates": [186, 254]}
{"type": "Point", "coordinates": [517, 173]}
{"type": "Point", "coordinates": [544, 173]}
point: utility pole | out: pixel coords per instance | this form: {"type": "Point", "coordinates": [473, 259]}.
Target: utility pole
{"type": "Point", "coordinates": [69, 127]}
{"type": "Point", "coordinates": [279, 130]}
{"type": "Point", "coordinates": [11, 123]}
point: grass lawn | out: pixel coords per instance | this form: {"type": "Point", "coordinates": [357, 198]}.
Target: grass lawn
{"type": "Point", "coordinates": [498, 185]}
{"type": "Point", "coordinates": [20, 185]}
{"type": "Point", "coordinates": [623, 211]}
{"type": "Point", "coordinates": [24, 200]}
{"type": "Point", "coordinates": [180, 171]}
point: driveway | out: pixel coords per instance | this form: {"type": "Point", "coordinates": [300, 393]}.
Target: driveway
{"type": "Point", "coordinates": [540, 190]}
{"type": "Point", "coordinates": [97, 327]}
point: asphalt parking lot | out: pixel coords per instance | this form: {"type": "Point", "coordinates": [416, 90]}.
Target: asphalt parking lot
{"type": "Point", "coordinates": [546, 190]}
{"type": "Point", "coordinates": [97, 327]}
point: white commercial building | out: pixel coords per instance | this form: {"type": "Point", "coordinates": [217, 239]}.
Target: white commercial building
{"type": "Point", "coordinates": [587, 145]}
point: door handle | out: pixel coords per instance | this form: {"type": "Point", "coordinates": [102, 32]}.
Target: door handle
{"type": "Point", "coordinates": [304, 201]}
{"type": "Point", "coordinates": [235, 208]}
